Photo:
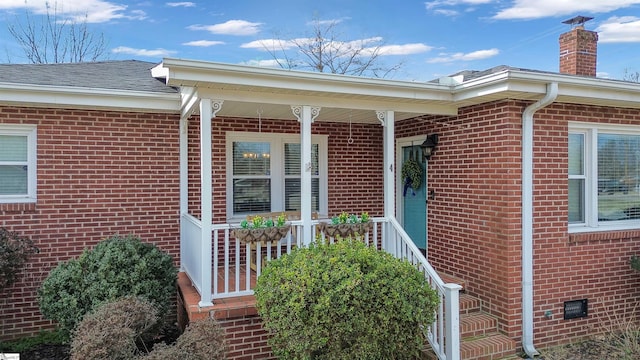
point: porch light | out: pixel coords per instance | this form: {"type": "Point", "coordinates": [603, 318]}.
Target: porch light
{"type": "Point", "coordinates": [429, 145]}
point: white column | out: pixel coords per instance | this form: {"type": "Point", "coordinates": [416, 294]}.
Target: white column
{"type": "Point", "coordinates": [388, 121]}
{"type": "Point", "coordinates": [208, 108]}
{"type": "Point", "coordinates": [306, 115]}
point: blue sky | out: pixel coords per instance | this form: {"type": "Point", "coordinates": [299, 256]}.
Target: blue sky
{"type": "Point", "coordinates": [430, 38]}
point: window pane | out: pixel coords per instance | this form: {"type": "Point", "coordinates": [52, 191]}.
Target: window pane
{"type": "Point", "coordinates": [292, 194]}
{"type": "Point", "coordinates": [618, 177]}
{"type": "Point", "coordinates": [576, 201]}
{"type": "Point", "coordinates": [292, 159]}
{"type": "Point", "coordinates": [576, 154]}
{"type": "Point", "coordinates": [251, 195]}
{"type": "Point", "coordinates": [13, 148]}
{"type": "Point", "coordinates": [251, 158]}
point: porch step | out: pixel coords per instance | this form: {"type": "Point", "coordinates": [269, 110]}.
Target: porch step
{"type": "Point", "coordinates": [480, 338]}
{"type": "Point", "coordinates": [489, 347]}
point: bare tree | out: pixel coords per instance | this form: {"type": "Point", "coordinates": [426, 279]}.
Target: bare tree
{"type": "Point", "coordinates": [53, 39]}
{"type": "Point", "coordinates": [324, 51]}
{"type": "Point", "coordinates": [633, 76]}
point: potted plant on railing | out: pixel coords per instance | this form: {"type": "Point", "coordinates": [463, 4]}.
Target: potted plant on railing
{"type": "Point", "coordinates": [347, 225]}
{"type": "Point", "coordinates": [259, 228]}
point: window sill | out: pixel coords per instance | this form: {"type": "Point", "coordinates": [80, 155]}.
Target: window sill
{"type": "Point", "coordinates": [17, 208]}
{"type": "Point", "coordinates": [603, 234]}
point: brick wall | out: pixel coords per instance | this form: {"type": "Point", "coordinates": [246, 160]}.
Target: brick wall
{"type": "Point", "coordinates": [247, 339]}
{"type": "Point", "coordinates": [475, 219]}
{"type": "Point", "coordinates": [99, 173]}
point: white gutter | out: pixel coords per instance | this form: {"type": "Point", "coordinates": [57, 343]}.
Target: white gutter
{"type": "Point", "coordinates": [527, 217]}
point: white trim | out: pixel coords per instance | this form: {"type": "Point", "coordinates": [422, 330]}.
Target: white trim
{"type": "Point", "coordinates": [277, 141]}
{"type": "Point", "coordinates": [591, 132]}
{"type": "Point", "coordinates": [89, 98]}
{"type": "Point", "coordinates": [31, 132]}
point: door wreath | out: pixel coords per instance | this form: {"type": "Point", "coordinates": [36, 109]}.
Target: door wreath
{"type": "Point", "coordinates": [412, 175]}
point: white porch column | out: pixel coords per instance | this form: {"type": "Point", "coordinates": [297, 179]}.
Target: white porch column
{"type": "Point", "coordinates": [388, 121]}
{"type": "Point", "coordinates": [208, 108]}
{"type": "Point", "coordinates": [306, 115]}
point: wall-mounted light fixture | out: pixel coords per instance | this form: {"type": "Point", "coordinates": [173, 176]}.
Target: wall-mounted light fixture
{"type": "Point", "coordinates": [429, 145]}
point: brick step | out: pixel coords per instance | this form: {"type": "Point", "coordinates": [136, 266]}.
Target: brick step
{"type": "Point", "coordinates": [489, 347]}
{"type": "Point", "coordinates": [477, 324]}
{"type": "Point", "coordinates": [468, 304]}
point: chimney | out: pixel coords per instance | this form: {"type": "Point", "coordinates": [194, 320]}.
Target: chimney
{"type": "Point", "coordinates": [578, 49]}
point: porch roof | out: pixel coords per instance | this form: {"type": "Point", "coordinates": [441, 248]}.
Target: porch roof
{"type": "Point", "coordinates": [247, 90]}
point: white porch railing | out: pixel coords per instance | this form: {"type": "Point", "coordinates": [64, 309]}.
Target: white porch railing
{"type": "Point", "coordinates": [235, 266]}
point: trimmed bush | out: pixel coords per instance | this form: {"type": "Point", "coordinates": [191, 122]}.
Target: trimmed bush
{"type": "Point", "coordinates": [344, 301]}
{"type": "Point", "coordinates": [116, 267]}
{"type": "Point", "coordinates": [14, 252]}
{"type": "Point", "coordinates": [112, 330]}
{"type": "Point", "coordinates": [202, 340]}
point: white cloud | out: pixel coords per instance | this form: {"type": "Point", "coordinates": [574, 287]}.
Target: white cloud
{"type": "Point", "coordinates": [439, 3]}
{"type": "Point", "coordinates": [327, 22]}
{"type": "Point", "coordinates": [181, 4]}
{"type": "Point", "coordinates": [624, 29]}
{"type": "Point", "coordinates": [447, 12]}
{"type": "Point", "coordinates": [91, 11]}
{"type": "Point", "coordinates": [143, 52]}
{"type": "Point", "coordinates": [533, 9]}
{"type": "Point", "coordinates": [405, 49]}
{"type": "Point", "coordinates": [272, 44]}
{"type": "Point", "coordinates": [203, 43]}
{"type": "Point", "coordinates": [475, 55]}
{"type": "Point", "coordinates": [231, 27]}
{"type": "Point", "coordinates": [264, 63]}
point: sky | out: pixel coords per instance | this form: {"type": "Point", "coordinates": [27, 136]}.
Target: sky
{"type": "Point", "coordinates": [429, 39]}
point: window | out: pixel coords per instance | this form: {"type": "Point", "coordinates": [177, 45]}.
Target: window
{"type": "Point", "coordinates": [604, 177]}
{"type": "Point", "coordinates": [17, 163]}
{"type": "Point", "coordinates": [263, 173]}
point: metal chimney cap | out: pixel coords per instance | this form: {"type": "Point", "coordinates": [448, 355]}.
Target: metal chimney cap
{"type": "Point", "coordinates": [577, 21]}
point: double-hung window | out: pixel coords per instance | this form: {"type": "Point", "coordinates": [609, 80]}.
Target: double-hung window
{"type": "Point", "coordinates": [263, 173]}
{"type": "Point", "coordinates": [17, 163]}
{"type": "Point", "coordinates": [604, 177]}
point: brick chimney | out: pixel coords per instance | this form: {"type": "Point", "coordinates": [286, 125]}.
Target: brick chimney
{"type": "Point", "coordinates": [579, 52]}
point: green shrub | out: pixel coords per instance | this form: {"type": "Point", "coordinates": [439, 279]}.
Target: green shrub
{"type": "Point", "coordinates": [116, 267]}
{"type": "Point", "coordinates": [344, 301]}
{"type": "Point", "coordinates": [14, 252]}
{"type": "Point", "coordinates": [202, 340]}
{"type": "Point", "coordinates": [112, 330]}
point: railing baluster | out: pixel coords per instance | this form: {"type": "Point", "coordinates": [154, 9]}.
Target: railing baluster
{"type": "Point", "coordinates": [237, 264]}
{"type": "Point", "coordinates": [215, 261]}
{"type": "Point", "coordinates": [258, 258]}
{"type": "Point", "coordinates": [247, 267]}
{"type": "Point", "coordinates": [226, 262]}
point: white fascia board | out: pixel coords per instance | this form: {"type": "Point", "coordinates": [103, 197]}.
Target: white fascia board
{"type": "Point", "coordinates": [359, 103]}
{"type": "Point", "coordinates": [529, 84]}
{"type": "Point", "coordinates": [106, 99]}
{"type": "Point", "coordinates": [200, 74]}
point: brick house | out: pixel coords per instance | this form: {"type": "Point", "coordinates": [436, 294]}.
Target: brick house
{"type": "Point", "coordinates": [532, 190]}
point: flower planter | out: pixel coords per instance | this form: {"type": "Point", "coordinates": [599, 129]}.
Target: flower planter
{"type": "Point", "coordinates": [345, 230]}
{"type": "Point", "coordinates": [269, 234]}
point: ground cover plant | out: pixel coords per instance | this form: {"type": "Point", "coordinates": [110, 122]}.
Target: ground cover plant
{"type": "Point", "coordinates": [344, 301]}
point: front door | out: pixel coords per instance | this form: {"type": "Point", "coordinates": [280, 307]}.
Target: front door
{"type": "Point", "coordinates": [414, 196]}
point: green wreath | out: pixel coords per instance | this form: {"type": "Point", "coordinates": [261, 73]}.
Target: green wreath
{"type": "Point", "coordinates": [412, 170]}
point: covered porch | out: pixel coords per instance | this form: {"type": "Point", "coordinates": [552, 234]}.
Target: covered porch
{"type": "Point", "coordinates": [219, 266]}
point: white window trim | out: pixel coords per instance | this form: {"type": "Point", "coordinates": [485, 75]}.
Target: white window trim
{"type": "Point", "coordinates": [30, 131]}
{"type": "Point", "coordinates": [277, 141]}
{"type": "Point", "coordinates": [591, 131]}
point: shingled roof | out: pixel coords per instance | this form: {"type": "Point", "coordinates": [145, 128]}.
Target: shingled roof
{"type": "Point", "coordinates": [117, 75]}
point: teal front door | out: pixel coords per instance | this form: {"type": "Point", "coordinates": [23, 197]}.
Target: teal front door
{"type": "Point", "coordinates": [414, 200]}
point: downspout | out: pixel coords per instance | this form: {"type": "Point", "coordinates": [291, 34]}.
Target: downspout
{"type": "Point", "coordinates": [527, 217]}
